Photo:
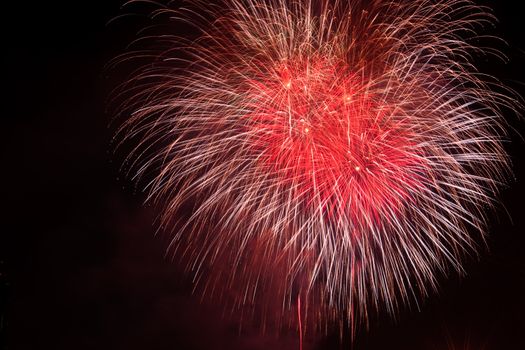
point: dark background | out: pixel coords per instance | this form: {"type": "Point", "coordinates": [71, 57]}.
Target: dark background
{"type": "Point", "coordinates": [80, 267]}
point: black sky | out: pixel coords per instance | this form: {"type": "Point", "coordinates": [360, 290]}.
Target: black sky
{"type": "Point", "coordinates": [80, 266]}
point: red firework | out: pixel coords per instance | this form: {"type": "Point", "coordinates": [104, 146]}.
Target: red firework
{"type": "Point", "coordinates": [338, 156]}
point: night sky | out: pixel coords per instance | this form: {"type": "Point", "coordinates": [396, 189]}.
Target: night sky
{"type": "Point", "coordinates": [80, 264]}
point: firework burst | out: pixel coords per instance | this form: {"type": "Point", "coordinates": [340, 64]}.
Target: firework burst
{"type": "Point", "coordinates": [335, 153]}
